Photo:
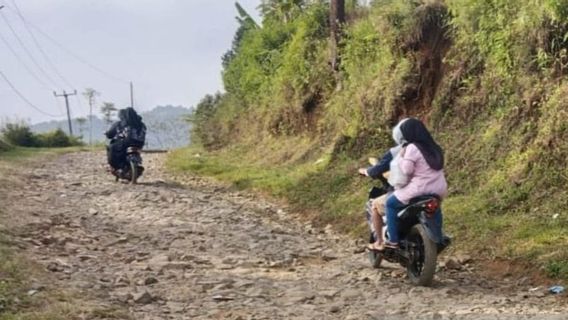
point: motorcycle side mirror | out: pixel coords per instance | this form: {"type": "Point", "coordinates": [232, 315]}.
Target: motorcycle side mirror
{"type": "Point", "coordinates": [373, 161]}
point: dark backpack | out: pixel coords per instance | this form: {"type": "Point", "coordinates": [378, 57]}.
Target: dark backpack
{"type": "Point", "coordinates": [135, 136]}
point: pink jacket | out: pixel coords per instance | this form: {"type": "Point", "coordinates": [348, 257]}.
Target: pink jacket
{"type": "Point", "coordinates": [423, 179]}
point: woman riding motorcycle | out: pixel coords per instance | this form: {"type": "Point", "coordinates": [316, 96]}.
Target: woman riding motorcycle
{"type": "Point", "coordinates": [121, 138]}
{"type": "Point", "coordinates": [420, 165]}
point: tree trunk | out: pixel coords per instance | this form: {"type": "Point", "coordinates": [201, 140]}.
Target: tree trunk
{"type": "Point", "coordinates": [336, 21]}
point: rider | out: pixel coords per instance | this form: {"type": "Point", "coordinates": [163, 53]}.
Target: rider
{"type": "Point", "coordinates": [422, 160]}
{"type": "Point", "coordinates": [376, 206]}
{"type": "Point", "coordinates": [120, 138]}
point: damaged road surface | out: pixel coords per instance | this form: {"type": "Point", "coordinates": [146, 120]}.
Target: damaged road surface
{"type": "Point", "coordinates": [164, 250]}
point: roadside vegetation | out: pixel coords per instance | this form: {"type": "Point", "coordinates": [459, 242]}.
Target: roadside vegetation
{"type": "Point", "coordinates": [4, 146]}
{"type": "Point", "coordinates": [20, 134]}
{"type": "Point", "coordinates": [489, 78]}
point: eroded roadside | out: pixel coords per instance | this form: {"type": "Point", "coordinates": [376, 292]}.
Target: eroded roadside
{"type": "Point", "coordinates": [160, 250]}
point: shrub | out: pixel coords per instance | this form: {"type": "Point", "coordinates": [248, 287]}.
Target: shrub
{"type": "Point", "coordinates": [57, 139]}
{"type": "Point", "coordinates": [203, 130]}
{"type": "Point", "coordinates": [4, 146]}
{"type": "Point", "coordinates": [19, 134]}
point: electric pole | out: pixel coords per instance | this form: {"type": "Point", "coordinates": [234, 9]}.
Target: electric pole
{"type": "Point", "coordinates": [66, 95]}
{"type": "Point", "coordinates": [336, 22]}
{"type": "Point", "coordinates": [131, 95]}
{"type": "Point", "coordinates": [90, 122]}
{"type": "Point", "coordinates": [90, 94]}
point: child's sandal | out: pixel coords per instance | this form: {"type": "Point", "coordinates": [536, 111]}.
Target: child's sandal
{"type": "Point", "coordinates": [376, 247]}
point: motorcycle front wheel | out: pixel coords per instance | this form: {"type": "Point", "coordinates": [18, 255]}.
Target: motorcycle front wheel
{"type": "Point", "coordinates": [375, 258]}
{"type": "Point", "coordinates": [423, 252]}
{"type": "Point", "coordinates": [133, 172]}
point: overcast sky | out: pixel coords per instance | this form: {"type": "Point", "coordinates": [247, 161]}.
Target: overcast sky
{"type": "Point", "coordinates": [170, 49]}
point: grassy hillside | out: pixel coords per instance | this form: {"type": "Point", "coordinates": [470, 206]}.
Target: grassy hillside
{"type": "Point", "coordinates": [489, 78]}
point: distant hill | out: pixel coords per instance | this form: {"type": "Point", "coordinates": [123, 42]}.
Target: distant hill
{"type": "Point", "coordinates": [166, 127]}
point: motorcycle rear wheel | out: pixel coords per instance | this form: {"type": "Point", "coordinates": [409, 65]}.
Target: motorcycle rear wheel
{"type": "Point", "coordinates": [422, 266]}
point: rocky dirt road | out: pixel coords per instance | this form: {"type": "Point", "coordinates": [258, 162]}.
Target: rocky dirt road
{"type": "Point", "coordinates": [161, 250]}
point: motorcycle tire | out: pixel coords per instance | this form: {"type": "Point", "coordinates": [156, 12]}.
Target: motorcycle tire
{"type": "Point", "coordinates": [375, 258]}
{"type": "Point", "coordinates": [133, 172]}
{"type": "Point", "coordinates": [422, 267]}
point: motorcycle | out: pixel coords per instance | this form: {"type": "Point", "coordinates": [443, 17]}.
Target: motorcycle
{"type": "Point", "coordinates": [421, 236]}
{"type": "Point", "coordinates": [133, 169]}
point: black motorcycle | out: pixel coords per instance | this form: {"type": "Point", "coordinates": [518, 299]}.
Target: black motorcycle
{"type": "Point", "coordinates": [134, 169]}
{"type": "Point", "coordinates": [421, 237]}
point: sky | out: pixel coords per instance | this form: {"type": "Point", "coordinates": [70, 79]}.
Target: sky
{"type": "Point", "coordinates": [170, 49]}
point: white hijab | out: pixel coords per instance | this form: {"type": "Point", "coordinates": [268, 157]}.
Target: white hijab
{"type": "Point", "coordinates": [397, 179]}
{"type": "Point", "coordinates": [397, 133]}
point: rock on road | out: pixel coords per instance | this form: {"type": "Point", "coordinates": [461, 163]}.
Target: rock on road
{"type": "Point", "coordinates": [163, 250]}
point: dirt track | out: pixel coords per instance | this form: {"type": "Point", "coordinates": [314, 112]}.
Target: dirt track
{"type": "Point", "coordinates": [165, 251]}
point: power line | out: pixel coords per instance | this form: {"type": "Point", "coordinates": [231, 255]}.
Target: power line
{"type": "Point", "coordinates": [39, 47]}
{"type": "Point", "coordinates": [90, 65]}
{"type": "Point", "coordinates": [69, 52]}
{"type": "Point", "coordinates": [26, 50]}
{"type": "Point", "coordinates": [22, 62]}
{"type": "Point", "coordinates": [25, 99]}
{"type": "Point", "coordinates": [81, 105]}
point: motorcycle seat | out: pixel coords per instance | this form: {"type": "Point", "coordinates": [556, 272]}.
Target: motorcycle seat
{"type": "Point", "coordinates": [416, 204]}
{"type": "Point", "coordinates": [421, 199]}
{"type": "Point", "coordinates": [132, 149]}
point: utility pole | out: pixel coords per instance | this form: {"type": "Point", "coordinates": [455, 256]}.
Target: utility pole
{"type": "Point", "coordinates": [66, 95]}
{"type": "Point", "coordinates": [336, 22]}
{"type": "Point", "coordinates": [90, 94]}
{"type": "Point", "coordinates": [91, 122]}
{"type": "Point", "coordinates": [131, 95]}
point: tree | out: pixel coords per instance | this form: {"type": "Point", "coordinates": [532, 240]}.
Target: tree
{"type": "Point", "coordinates": [205, 129]}
{"type": "Point", "coordinates": [107, 109]}
{"type": "Point", "coordinates": [90, 94]}
{"type": "Point", "coordinates": [281, 10]}
{"type": "Point", "coordinates": [246, 22]}
{"type": "Point", "coordinates": [245, 17]}
{"type": "Point", "coordinates": [336, 21]}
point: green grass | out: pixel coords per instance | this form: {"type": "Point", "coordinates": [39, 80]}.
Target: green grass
{"type": "Point", "coordinates": [275, 179]}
